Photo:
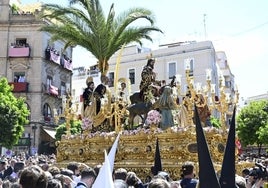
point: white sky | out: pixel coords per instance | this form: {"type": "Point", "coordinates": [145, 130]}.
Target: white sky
{"type": "Point", "coordinates": [240, 28]}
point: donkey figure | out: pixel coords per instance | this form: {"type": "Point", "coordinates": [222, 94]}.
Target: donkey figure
{"type": "Point", "coordinates": [138, 109]}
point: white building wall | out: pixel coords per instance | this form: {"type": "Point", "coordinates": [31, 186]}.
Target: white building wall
{"type": "Point", "coordinates": [203, 54]}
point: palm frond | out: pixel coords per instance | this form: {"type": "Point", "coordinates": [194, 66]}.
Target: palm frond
{"type": "Point", "coordinates": [85, 24]}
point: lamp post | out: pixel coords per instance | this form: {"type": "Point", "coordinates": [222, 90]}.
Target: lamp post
{"type": "Point", "coordinates": [34, 127]}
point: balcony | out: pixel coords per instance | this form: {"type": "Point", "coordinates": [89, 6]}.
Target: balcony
{"type": "Point", "coordinates": [52, 90]}
{"type": "Point", "coordinates": [19, 86]}
{"type": "Point", "coordinates": [67, 63]}
{"type": "Point", "coordinates": [52, 55]}
{"type": "Point", "coordinates": [19, 52]}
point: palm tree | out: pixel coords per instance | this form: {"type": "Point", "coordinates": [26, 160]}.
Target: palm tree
{"type": "Point", "coordinates": [86, 26]}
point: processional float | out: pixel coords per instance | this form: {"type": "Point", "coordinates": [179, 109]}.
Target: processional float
{"type": "Point", "coordinates": [136, 148]}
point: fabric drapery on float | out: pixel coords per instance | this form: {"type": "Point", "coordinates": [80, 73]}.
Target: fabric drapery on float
{"type": "Point", "coordinates": [207, 175]}
{"type": "Point", "coordinates": [105, 179]}
{"type": "Point", "coordinates": [227, 178]}
{"type": "Point", "coordinates": [157, 159]}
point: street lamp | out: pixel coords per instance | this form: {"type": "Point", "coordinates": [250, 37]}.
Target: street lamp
{"type": "Point", "coordinates": [34, 127]}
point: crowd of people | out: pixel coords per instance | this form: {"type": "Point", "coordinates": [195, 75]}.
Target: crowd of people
{"type": "Point", "coordinates": [42, 171]}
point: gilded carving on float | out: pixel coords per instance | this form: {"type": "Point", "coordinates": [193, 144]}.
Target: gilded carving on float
{"type": "Point", "coordinates": [136, 148]}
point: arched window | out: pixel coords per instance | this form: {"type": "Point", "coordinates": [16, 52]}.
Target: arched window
{"type": "Point", "coordinates": [47, 112]}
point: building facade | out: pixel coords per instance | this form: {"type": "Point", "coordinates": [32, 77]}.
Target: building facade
{"type": "Point", "coordinates": [38, 70]}
{"type": "Point", "coordinates": [171, 60]}
{"type": "Point", "coordinates": [226, 73]}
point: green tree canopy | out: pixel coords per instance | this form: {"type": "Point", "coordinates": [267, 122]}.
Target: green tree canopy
{"type": "Point", "coordinates": [75, 128]}
{"type": "Point", "coordinates": [252, 124]}
{"type": "Point", "coordinates": [13, 115]}
{"type": "Point", "coordinates": [215, 122]}
{"type": "Point", "coordinates": [84, 23]}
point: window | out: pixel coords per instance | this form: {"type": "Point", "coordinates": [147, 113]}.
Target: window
{"type": "Point", "coordinates": [189, 64]}
{"type": "Point", "coordinates": [19, 76]}
{"type": "Point", "coordinates": [111, 79]}
{"type": "Point", "coordinates": [48, 83]}
{"type": "Point", "coordinates": [131, 74]}
{"type": "Point", "coordinates": [191, 67]}
{"type": "Point", "coordinates": [62, 88]}
{"type": "Point", "coordinates": [171, 70]}
{"type": "Point", "coordinates": [21, 42]}
{"type": "Point", "coordinates": [47, 112]}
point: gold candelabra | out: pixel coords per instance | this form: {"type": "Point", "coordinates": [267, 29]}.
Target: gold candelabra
{"type": "Point", "coordinates": [206, 98]}
{"type": "Point", "coordinates": [69, 113]}
{"type": "Point", "coordinates": [224, 103]}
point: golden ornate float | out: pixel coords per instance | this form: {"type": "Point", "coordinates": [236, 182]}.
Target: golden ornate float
{"type": "Point", "coordinates": [136, 148]}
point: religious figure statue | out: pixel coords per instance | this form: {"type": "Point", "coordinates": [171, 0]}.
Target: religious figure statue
{"type": "Point", "coordinates": [203, 110]}
{"type": "Point", "coordinates": [88, 92]}
{"type": "Point", "coordinates": [166, 104]}
{"type": "Point", "coordinates": [182, 116]}
{"type": "Point", "coordinates": [95, 107]}
{"type": "Point", "coordinates": [122, 91]}
{"type": "Point", "coordinates": [147, 80]}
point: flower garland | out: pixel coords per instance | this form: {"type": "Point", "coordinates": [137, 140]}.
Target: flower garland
{"type": "Point", "coordinates": [86, 124]}
{"type": "Point", "coordinates": [153, 117]}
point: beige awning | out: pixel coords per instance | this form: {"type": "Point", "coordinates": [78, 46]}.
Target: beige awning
{"type": "Point", "coordinates": [50, 132]}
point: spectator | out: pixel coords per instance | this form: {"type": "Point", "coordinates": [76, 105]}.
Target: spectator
{"type": "Point", "coordinates": [54, 183]}
{"type": "Point", "coordinates": [10, 169]}
{"type": "Point", "coordinates": [74, 167]}
{"type": "Point", "coordinates": [120, 176]}
{"type": "Point", "coordinates": [54, 170]}
{"type": "Point", "coordinates": [3, 164]}
{"type": "Point", "coordinates": [19, 166]}
{"type": "Point", "coordinates": [33, 177]}
{"type": "Point", "coordinates": [97, 169]}
{"type": "Point", "coordinates": [158, 183]}
{"type": "Point", "coordinates": [175, 184]}
{"type": "Point", "coordinates": [188, 180]}
{"type": "Point", "coordinates": [133, 180]}
{"type": "Point", "coordinates": [164, 175]}
{"type": "Point", "coordinates": [120, 173]}
{"type": "Point", "coordinates": [88, 177]}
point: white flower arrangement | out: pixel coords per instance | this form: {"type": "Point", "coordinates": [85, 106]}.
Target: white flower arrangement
{"type": "Point", "coordinates": [86, 124]}
{"type": "Point", "coordinates": [153, 117]}
{"type": "Point", "coordinates": [138, 131]}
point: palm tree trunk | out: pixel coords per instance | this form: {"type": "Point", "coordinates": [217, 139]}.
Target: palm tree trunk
{"type": "Point", "coordinates": [104, 67]}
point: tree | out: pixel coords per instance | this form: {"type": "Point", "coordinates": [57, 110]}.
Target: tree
{"type": "Point", "coordinates": [13, 115]}
{"type": "Point", "coordinates": [86, 25]}
{"type": "Point", "coordinates": [252, 122]}
{"type": "Point", "coordinates": [215, 122]}
{"type": "Point", "coordinates": [61, 129]}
